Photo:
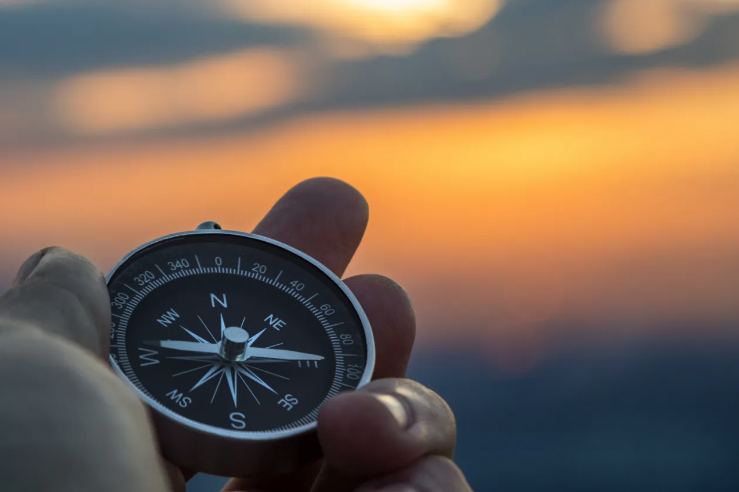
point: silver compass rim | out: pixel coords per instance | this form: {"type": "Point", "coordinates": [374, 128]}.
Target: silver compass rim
{"type": "Point", "coordinates": [241, 435]}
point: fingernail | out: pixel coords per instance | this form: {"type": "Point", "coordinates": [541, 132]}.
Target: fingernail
{"type": "Point", "coordinates": [29, 266]}
{"type": "Point", "coordinates": [396, 408]}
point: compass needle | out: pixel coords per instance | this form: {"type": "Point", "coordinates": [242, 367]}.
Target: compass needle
{"type": "Point", "coordinates": [197, 358]}
{"type": "Point", "coordinates": [196, 337]}
{"type": "Point", "coordinates": [197, 314]}
{"type": "Point", "coordinates": [281, 354]}
{"type": "Point", "coordinates": [203, 348]}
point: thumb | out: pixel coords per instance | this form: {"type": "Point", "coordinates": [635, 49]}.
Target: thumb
{"type": "Point", "coordinates": [67, 422]}
{"type": "Point", "coordinates": [61, 293]}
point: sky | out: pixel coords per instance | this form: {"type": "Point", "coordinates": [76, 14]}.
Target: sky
{"type": "Point", "coordinates": [539, 172]}
{"type": "Point", "coordinates": [554, 182]}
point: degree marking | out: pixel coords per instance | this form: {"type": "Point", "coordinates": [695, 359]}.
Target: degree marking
{"type": "Point", "coordinates": [160, 269]}
{"type": "Point", "coordinates": [335, 324]}
{"type": "Point", "coordinates": [278, 276]}
{"type": "Point", "coordinates": [126, 285]}
{"type": "Point", "coordinates": [311, 297]}
{"type": "Point", "coordinates": [198, 260]}
{"type": "Point", "coordinates": [238, 266]}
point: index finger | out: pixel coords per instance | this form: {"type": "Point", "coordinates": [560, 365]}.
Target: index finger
{"type": "Point", "coordinates": [62, 293]}
{"type": "Point", "coordinates": [322, 217]}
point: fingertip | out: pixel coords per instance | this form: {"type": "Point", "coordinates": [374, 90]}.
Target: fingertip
{"type": "Point", "coordinates": [324, 217]}
{"type": "Point", "coordinates": [390, 312]}
{"type": "Point", "coordinates": [338, 190]}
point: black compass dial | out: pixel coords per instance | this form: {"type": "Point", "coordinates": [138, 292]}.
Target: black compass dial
{"type": "Point", "coordinates": [233, 332]}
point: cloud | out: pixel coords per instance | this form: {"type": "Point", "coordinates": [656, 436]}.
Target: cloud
{"type": "Point", "coordinates": [48, 40]}
{"type": "Point", "coordinates": [211, 89]}
{"type": "Point", "coordinates": [610, 206]}
{"type": "Point", "coordinates": [637, 27]}
{"type": "Point", "coordinates": [526, 46]}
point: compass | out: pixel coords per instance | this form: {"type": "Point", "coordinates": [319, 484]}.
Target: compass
{"type": "Point", "coordinates": [234, 341]}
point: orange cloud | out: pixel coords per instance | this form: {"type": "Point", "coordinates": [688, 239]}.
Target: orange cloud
{"type": "Point", "coordinates": [639, 27]}
{"type": "Point", "coordinates": [212, 89]}
{"type": "Point", "coordinates": [616, 207]}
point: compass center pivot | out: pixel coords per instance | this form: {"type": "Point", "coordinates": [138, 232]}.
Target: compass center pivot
{"type": "Point", "coordinates": [234, 343]}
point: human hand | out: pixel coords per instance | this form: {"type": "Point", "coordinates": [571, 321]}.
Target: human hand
{"type": "Point", "coordinates": [68, 423]}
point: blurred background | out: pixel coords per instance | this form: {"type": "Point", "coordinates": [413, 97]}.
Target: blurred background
{"type": "Point", "coordinates": [555, 182]}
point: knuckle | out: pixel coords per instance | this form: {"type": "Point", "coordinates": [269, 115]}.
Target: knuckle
{"type": "Point", "coordinates": [60, 292]}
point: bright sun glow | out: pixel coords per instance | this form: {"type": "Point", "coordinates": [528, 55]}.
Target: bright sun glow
{"type": "Point", "coordinates": [400, 6]}
{"type": "Point", "coordinates": [385, 24]}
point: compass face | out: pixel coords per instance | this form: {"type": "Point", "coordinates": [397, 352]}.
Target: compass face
{"type": "Point", "coordinates": [235, 334]}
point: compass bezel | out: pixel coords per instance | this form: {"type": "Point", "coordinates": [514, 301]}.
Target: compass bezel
{"type": "Point", "coordinates": [185, 441]}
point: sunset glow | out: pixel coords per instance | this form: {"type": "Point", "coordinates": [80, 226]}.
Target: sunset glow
{"type": "Point", "coordinates": [579, 205]}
